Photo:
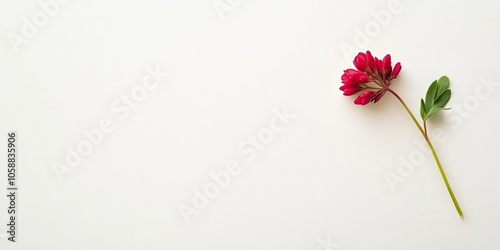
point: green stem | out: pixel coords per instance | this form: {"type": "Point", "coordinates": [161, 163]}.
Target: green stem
{"type": "Point", "coordinates": [425, 127]}
{"type": "Point", "coordinates": [424, 133]}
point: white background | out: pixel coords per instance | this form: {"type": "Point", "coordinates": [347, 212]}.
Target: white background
{"type": "Point", "coordinates": [321, 179]}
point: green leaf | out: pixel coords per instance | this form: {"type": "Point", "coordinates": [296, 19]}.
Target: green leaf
{"type": "Point", "coordinates": [423, 112]}
{"type": "Point", "coordinates": [443, 84]}
{"type": "Point", "coordinates": [433, 110]}
{"type": "Point", "coordinates": [443, 99]}
{"type": "Point", "coordinates": [436, 98]}
{"type": "Point", "coordinates": [430, 96]}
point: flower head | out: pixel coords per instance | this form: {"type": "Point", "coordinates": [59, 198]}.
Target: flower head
{"type": "Point", "coordinates": [368, 70]}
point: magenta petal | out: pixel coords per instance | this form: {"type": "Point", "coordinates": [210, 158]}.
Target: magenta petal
{"type": "Point", "coordinates": [396, 70]}
{"type": "Point", "coordinates": [370, 61]}
{"type": "Point", "coordinates": [360, 62]}
{"type": "Point", "coordinates": [387, 63]}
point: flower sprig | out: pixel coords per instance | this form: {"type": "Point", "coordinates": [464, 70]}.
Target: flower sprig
{"type": "Point", "coordinates": [372, 77]}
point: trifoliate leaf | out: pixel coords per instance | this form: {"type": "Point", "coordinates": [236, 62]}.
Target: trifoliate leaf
{"type": "Point", "coordinates": [436, 98]}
